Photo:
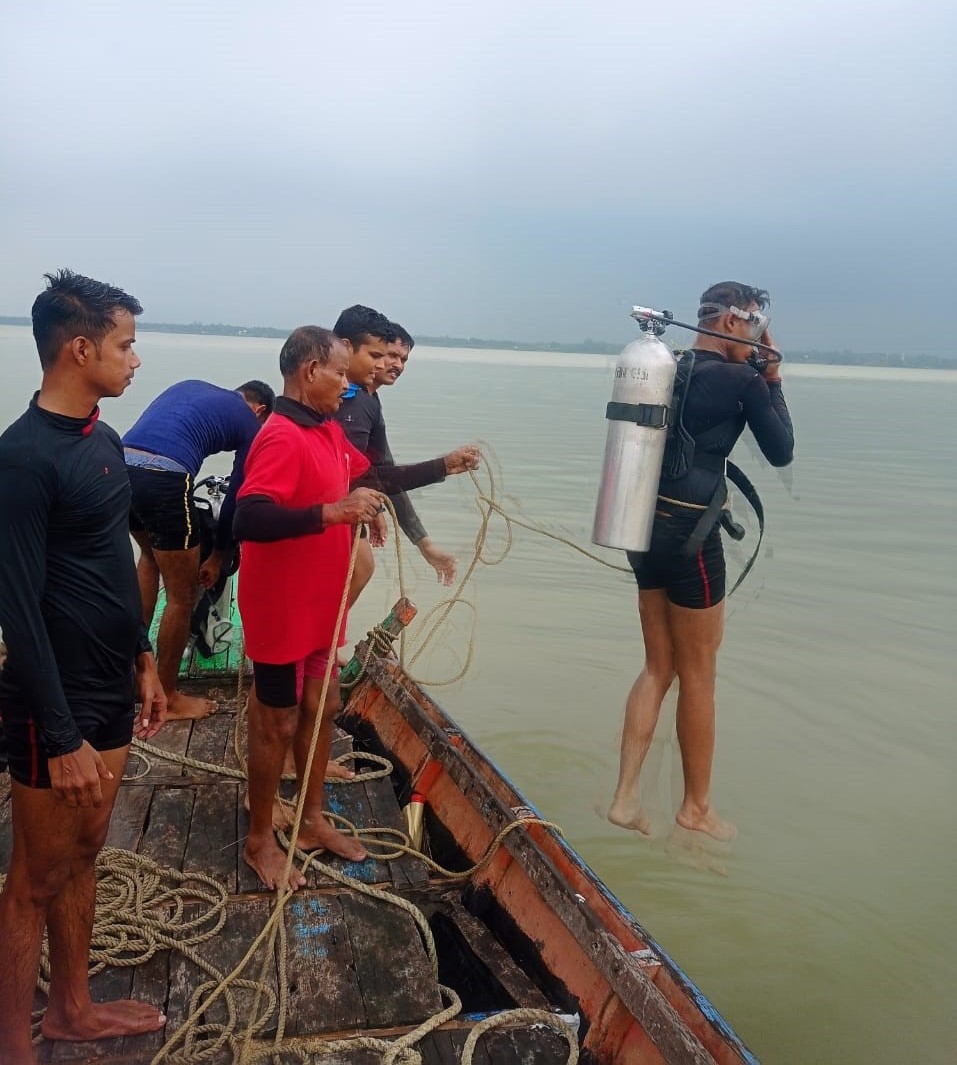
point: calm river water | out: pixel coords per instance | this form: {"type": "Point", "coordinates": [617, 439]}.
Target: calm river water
{"type": "Point", "coordinates": [827, 932]}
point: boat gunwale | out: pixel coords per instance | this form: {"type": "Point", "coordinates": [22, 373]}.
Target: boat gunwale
{"type": "Point", "coordinates": [623, 972]}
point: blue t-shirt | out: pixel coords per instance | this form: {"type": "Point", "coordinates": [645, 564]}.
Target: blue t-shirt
{"type": "Point", "coordinates": [189, 422]}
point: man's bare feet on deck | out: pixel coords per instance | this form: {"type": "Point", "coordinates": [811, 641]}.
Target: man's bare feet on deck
{"type": "Point", "coordinates": [267, 860]}
{"type": "Point", "coordinates": [707, 821]}
{"type": "Point", "coordinates": [103, 1020]}
{"type": "Point", "coordinates": [183, 707]}
{"type": "Point", "coordinates": [323, 836]}
{"type": "Point", "coordinates": [628, 815]}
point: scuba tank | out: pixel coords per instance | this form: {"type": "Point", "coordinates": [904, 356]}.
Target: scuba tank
{"type": "Point", "coordinates": [638, 418]}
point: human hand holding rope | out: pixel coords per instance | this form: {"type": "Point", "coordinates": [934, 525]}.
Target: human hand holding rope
{"type": "Point", "coordinates": [359, 507]}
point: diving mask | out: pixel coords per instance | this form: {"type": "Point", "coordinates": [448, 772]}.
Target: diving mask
{"type": "Point", "coordinates": [758, 322]}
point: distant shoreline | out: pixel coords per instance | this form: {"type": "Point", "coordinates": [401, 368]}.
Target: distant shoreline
{"type": "Point", "coordinates": [584, 347]}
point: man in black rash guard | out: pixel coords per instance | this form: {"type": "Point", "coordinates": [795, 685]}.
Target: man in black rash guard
{"type": "Point", "coordinates": [374, 344]}
{"type": "Point", "coordinates": [681, 595]}
{"type": "Point", "coordinates": [364, 422]}
{"type": "Point", "coordinates": [77, 657]}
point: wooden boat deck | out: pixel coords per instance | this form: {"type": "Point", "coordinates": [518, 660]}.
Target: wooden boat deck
{"type": "Point", "coordinates": [353, 964]}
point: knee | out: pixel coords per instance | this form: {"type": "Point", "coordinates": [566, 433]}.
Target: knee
{"type": "Point", "coordinates": [660, 673]}
{"type": "Point", "coordinates": [274, 726]}
{"type": "Point", "coordinates": [36, 889]}
{"type": "Point", "coordinates": [88, 846]}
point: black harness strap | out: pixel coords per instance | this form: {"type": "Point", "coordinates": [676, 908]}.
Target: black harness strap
{"type": "Point", "coordinates": [654, 415]}
{"type": "Point", "coordinates": [740, 481]}
{"type": "Point", "coordinates": [715, 512]}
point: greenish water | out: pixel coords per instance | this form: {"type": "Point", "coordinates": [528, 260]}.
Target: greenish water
{"type": "Point", "coordinates": [828, 931]}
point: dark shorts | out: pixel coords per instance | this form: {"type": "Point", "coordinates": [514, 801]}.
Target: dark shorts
{"type": "Point", "coordinates": [697, 582]}
{"type": "Point", "coordinates": [105, 725]}
{"type": "Point", "coordinates": [163, 508]}
{"type": "Point", "coordinates": [281, 686]}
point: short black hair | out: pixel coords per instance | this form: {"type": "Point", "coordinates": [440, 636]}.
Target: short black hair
{"type": "Point", "coordinates": [306, 342]}
{"type": "Point", "coordinates": [403, 335]}
{"type": "Point", "coordinates": [358, 322]}
{"type": "Point", "coordinates": [259, 392]}
{"type": "Point", "coordinates": [734, 294]}
{"type": "Point", "coordinates": [73, 306]}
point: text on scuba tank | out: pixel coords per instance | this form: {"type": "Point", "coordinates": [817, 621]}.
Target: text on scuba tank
{"type": "Point", "coordinates": [636, 373]}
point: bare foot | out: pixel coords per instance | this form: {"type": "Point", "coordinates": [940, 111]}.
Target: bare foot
{"type": "Point", "coordinates": [322, 836]}
{"type": "Point", "coordinates": [628, 815]}
{"type": "Point", "coordinates": [281, 815]}
{"type": "Point", "coordinates": [707, 821]}
{"type": "Point", "coordinates": [268, 861]}
{"type": "Point", "coordinates": [338, 771]}
{"type": "Point", "coordinates": [183, 707]}
{"type": "Point", "coordinates": [103, 1020]}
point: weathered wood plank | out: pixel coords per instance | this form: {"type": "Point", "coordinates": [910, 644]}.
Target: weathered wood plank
{"type": "Point", "coordinates": [324, 988]}
{"type": "Point", "coordinates": [245, 920]}
{"type": "Point", "coordinates": [524, 1046]}
{"type": "Point", "coordinates": [128, 821]}
{"type": "Point", "coordinates": [392, 967]}
{"type": "Point", "coordinates": [166, 834]}
{"type": "Point", "coordinates": [405, 871]}
{"type": "Point", "coordinates": [494, 956]}
{"type": "Point", "coordinates": [207, 743]}
{"type": "Point", "coordinates": [351, 802]}
{"type": "Point", "coordinates": [173, 737]}
{"type": "Point", "coordinates": [211, 847]}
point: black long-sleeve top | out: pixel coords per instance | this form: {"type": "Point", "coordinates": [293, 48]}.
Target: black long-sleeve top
{"type": "Point", "coordinates": [69, 601]}
{"type": "Point", "coordinates": [734, 396]}
{"type": "Point", "coordinates": [363, 422]}
{"type": "Point", "coordinates": [261, 518]}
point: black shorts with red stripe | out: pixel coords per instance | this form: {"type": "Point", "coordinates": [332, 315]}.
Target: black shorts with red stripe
{"type": "Point", "coordinates": [106, 724]}
{"type": "Point", "coordinates": [696, 582]}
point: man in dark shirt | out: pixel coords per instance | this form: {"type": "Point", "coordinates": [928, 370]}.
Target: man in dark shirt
{"type": "Point", "coordinates": [165, 450]}
{"type": "Point", "coordinates": [681, 591]}
{"type": "Point", "coordinates": [387, 372]}
{"type": "Point", "coordinates": [369, 337]}
{"type": "Point", "coordinates": [77, 656]}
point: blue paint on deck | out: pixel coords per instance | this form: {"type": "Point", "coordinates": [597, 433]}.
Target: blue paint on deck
{"type": "Point", "coordinates": [311, 926]}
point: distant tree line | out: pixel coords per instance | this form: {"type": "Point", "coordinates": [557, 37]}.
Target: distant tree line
{"type": "Point", "coordinates": [587, 347]}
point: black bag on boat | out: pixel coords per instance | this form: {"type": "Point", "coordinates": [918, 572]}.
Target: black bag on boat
{"type": "Point", "coordinates": [210, 625]}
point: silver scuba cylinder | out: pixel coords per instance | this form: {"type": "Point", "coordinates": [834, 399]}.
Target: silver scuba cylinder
{"type": "Point", "coordinates": [638, 416]}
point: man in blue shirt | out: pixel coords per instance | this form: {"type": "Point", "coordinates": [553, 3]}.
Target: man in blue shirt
{"type": "Point", "coordinates": [164, 452]}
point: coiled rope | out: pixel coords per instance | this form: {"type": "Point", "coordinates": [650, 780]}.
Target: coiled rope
{"type": "Point", "coordinates": [399, 1051]}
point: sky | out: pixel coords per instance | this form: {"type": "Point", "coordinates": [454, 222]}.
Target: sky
{"type": "Point", "coordinates": [521, 169]}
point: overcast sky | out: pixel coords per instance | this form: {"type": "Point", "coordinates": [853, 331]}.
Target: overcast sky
{"type": "Point", "coordinates": [504, 169]}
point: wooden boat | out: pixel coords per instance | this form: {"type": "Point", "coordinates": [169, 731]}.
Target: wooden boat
{"type": "Point", "coordinates": [531, 928]}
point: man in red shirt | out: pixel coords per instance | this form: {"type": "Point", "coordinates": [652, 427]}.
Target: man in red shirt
{"type": "Point", "coordinates": [294, 512]}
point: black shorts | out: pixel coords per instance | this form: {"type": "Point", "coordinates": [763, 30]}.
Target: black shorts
{"type": "Point", "coordinates": [697, 582]}
{"type": "Point", "coordinates": [106, 725]}
{"type": "Point", "coordinates": [280, 686]}
{"type": "Point", "coordinates": [163, 508]}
